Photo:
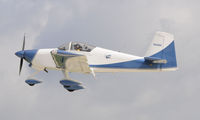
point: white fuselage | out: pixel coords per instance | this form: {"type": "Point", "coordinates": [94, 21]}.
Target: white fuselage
{"type": "Point", "coordinates": [98, 56]}
{"type": "Point", "coordinates": [43, 59]}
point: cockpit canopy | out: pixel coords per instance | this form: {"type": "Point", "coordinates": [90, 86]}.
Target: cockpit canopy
{"type": "Point", "coordinates": [77, 47]}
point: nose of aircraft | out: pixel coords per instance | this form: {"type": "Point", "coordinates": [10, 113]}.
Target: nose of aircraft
{"type": "Point", "coordinates": [20, 54]}
{"type": "Point", "coordinates": [28, 55]}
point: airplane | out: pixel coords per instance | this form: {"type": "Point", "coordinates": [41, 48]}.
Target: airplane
{"type": "Point", "coordinates": [88, 59]}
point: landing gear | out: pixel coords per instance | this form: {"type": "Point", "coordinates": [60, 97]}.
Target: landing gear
{"type": "Point", "coordinates": [70, 90]}
{"type": "Point", "coordinates": [31, 84]}
{"type": "Point", "coordinates": [31, 81]}
{"type": "Point", "coordinates": [69, 84]}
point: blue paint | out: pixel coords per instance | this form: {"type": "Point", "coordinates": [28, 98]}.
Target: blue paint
{"type": "Point", "coordinates": [76, 87]}
{"type": "Point", "coordinates": [66, 53]}
{"type": "Point", "coordinates": [139, 63]}
{"type": "Point", "coordinates": [32, 81]}
{"type": "Point", "coordinates": [29, 55]}
{"type": "Point", "coordinates": [71, 85]}
{"type": "Point", "coordinates": [20, 54]}
{"type": "Point", "coordinates": [168, 53]}
{"type": "Point", "coordinates": [68, 83]}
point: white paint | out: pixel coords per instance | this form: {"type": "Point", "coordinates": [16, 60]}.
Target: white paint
{"type": "Point", "coordinates": [132, 70]}
{"type": "Point", "coordinates": [161, 41]}
{"type": "Point", "coordinates": [98, 56]}
{"type": "Point", "coordinates": [44, 59]}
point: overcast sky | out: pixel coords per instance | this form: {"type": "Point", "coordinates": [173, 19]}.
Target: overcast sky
{"type": "Point", "coordinates": [122, 25]}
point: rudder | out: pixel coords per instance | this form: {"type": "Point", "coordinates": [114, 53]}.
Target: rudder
{"type": "Point", "coordinates": [163, 47]}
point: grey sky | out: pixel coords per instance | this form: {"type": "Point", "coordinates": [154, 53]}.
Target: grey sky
{"type": "Point", "coordinates": [123, 25]}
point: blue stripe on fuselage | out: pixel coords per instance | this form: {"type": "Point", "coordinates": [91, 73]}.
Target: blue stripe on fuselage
{"type": "Point", "coordinates": [141, 64]}
{"type": "Point", "coordinates": [67, 53]}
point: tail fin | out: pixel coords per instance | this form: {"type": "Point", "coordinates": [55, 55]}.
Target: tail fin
{"type": "Point", "coordinates": [163, 47]}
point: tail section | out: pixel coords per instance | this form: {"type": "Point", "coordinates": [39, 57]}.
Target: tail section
{"type": "Point", "coordinates": [163, 47]}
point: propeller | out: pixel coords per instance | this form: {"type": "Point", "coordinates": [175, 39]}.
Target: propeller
{"type": "Point", "coordinates": [22, 58]}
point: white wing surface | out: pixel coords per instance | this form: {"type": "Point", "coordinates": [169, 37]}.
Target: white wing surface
{"type": "Point", "coordinates": [71, 62]}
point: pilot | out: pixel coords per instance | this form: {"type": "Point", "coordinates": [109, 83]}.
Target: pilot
{"type": "Point", "coordinates": [77, 47]}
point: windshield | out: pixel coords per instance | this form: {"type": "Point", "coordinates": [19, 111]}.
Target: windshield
{"type": "Point", "coordinates": [64, 47]}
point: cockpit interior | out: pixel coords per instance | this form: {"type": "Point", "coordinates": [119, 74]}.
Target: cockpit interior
{"type": "Point", "coordinates": [77, 47]}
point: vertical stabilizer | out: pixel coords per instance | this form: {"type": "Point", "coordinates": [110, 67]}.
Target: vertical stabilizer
{"type": "Point", "coordinates": [163, 47]}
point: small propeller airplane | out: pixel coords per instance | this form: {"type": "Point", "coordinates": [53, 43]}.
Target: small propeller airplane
{"type": "Point", "coordinates": [88, 59]}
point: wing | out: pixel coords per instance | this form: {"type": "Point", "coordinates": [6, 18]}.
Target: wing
{"type": "Point", "coordinates": [77, 64]}
{"type": "Point", "coordinates": [71, 62]}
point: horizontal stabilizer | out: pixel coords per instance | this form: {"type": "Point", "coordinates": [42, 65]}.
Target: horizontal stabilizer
{"type": "Point", "coordinates": [155, 60]}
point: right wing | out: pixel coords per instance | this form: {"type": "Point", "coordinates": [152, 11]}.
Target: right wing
{"type": "Point", "coordinates": [71, 62]}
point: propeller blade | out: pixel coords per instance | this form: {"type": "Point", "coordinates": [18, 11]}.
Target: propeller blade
{"type": "Point", "coordinates": [20, 67]}
{"type": "Point", "coordinates": [21, 60]}
{"type": "Point", "coordinates": [23, 47]}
